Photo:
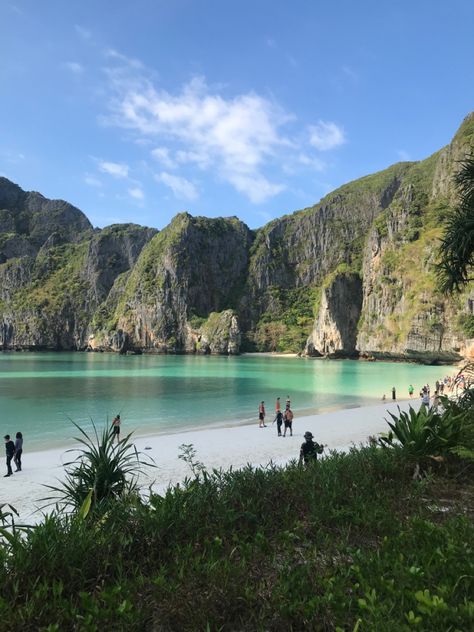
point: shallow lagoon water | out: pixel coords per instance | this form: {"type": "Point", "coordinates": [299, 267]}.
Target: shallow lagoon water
{"type": "Point", "coordinates": [40, 393]}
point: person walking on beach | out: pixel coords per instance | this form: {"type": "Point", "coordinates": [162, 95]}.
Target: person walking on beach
{"type": "Point", "coordinates": [425, 399]}
{"type": "Point", "coordinates": [309, 449]}
{"type": "Point", "coordinates": [116, 428]}
{"type": "Point", "coordinates": [277, 405]}
{"type": "Point", "coordinates": [261, 415]}
{"type": "Point", "coordinates": [288, 419]}
{"type": "Point", "coordinates": [411, 390]}
{"type": "Point", "coordinates": [18, 451]}
{"type": "Point", "coordinates": [279, 420]}
{"type": "Point", "coordinates": [10, 451]}
{"type": "Point", "coordinates": [394, 393]}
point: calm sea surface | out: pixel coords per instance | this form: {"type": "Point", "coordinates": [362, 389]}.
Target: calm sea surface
{"type": "Point", "coordinates": [41, 392]}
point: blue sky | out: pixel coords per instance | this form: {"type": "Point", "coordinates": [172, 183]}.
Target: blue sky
{"type": "Point", "coordinates": [134, 111]}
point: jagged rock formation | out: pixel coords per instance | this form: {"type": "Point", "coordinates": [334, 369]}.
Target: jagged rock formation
{"type": "Point", "coordinates": [355, 272]}
{"type": "Point", "coordinates": [335, 330]}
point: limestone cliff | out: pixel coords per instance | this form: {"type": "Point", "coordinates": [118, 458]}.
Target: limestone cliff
{"type": "Point", "coordinates": [192, 270]}
{"type": "Point", "coordinates": [354, 274]}
{"type": "Point", "coordinates": [335, 330]}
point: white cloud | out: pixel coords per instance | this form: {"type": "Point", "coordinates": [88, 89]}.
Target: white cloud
{"type": "Point", "coordinates": [326, 135]}
{"type": "Point", "coordinates": [74, 67]}
{"type": "Point", "coordinates": [236, 137]}
{"type": "Point", "coordinates": [162, 155]}
{"type": "Point", "coordinates": [241, 139]}
{"type": "Point", "coordinates": [181, 187]}
{"type": "Point", "coordinates": [136, 193]}
{"type": "Point", "coordinates": [116, 169]}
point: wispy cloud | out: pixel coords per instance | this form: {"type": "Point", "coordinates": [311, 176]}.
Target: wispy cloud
{"type": "Point", "coordinates": [326, 135]}
{"type": "Point", "coordinates": [136, 193]}
{"type": "Point", "coordinates": [181, 187]}
{"type": "Point", "coordinates": [115, 169]}
{"type": "Point", "coordinates": [162, 155]}
{"type": "Point", "coordinates": [246, 140]}
{"type": "Point", "coordinates": [234, 136]}
{"type": "Point", "coordinates": [74, 67]}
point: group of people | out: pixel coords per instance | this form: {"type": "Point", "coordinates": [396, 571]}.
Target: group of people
{"type": "Point", "coordinates": [309, 449]}
{"type": "Point", "coordinates": [281, 418]}
{"type": "Point", "coordinates": [13, 452]}
{"type": "Point", "coordinates": [445, 384]}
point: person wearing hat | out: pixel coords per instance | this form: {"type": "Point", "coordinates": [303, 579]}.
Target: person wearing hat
{"type": "Point", "coordinates": [309, 449]}
{"type": "Point", "coordinates": [10, 451]}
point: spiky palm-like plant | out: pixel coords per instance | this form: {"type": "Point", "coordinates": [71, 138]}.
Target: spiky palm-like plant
{"type": "Point", "coordinates": [101, 472]}
{"type": "Point", "coordinates": [456, 267]}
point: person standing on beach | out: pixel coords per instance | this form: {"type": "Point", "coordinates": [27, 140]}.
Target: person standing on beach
{"type": "Point", "coordinates": [309, 449]}
{"type": "Point", "coordinates": [279, 420]}
{"type": "Point", "coordinates": [116, 428]}
{"type": "Point", "coordinates": [18, 451]}
{"type": "Point", "coordinates": [425, 400]}
{"type": "Point", "coordinates": [394, 393]}
{"type": "Point", "coordinates": [411, 390]}
{"type": "Point", "coordinates": [277, 406]}
{"type": "Point", "coordinates": [288, 402]}
{"type": "Point", "coordinates": [10, 451]}
{"type": "Point", "coordinates": [288, 419]}
{"type": "Point", "coordinates": [261, 415]}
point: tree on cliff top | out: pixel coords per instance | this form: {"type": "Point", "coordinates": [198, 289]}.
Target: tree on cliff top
{"type": "Point", "coordinates": [457, 246]}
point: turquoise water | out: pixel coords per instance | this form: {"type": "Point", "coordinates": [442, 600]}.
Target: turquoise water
{"type": "Point", "coordinates": [41, 392]}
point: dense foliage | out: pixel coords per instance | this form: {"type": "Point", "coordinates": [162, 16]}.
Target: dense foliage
{"type": "Point", "coordinates": [457, 245]}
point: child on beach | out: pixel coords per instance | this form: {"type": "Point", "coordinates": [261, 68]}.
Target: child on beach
{"type": "Point", "coordinates": [279, 420]}
{"type": "Point", "coordinates": [261, 415]}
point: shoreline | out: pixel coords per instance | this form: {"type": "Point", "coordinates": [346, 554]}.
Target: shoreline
{"type": "Point", "coordinates": [379, 356]}
{"type": "Point", "coordinates": [235, 447]}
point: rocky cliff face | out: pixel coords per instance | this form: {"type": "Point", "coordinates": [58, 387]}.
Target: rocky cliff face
{"type": "Point", "coordinates": [187, 274]}
{"type": "Point", "coordinates": [335, 330]}
{"type": "Point", "coordinates": [355, 273]}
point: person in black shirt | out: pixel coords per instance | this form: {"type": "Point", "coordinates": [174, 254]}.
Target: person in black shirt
{"type": "Point", "coordinates": [309, 449]}
{"type": "Point", "coordinates": [10, 451]}
{"type": "Point", "coordinates": [279, 420]}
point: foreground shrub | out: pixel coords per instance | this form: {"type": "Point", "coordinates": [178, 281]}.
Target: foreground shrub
{"type": "Point", "coordinates": [352, 537]}
{"type": "Point", "coordinates": [102, 472]}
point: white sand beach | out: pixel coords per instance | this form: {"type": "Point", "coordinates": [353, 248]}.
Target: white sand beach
{"type": "Point", "coordinates": [216, 448]}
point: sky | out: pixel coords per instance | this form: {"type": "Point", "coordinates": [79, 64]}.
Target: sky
{"type": "Point", "coordinates": [135, 111]}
